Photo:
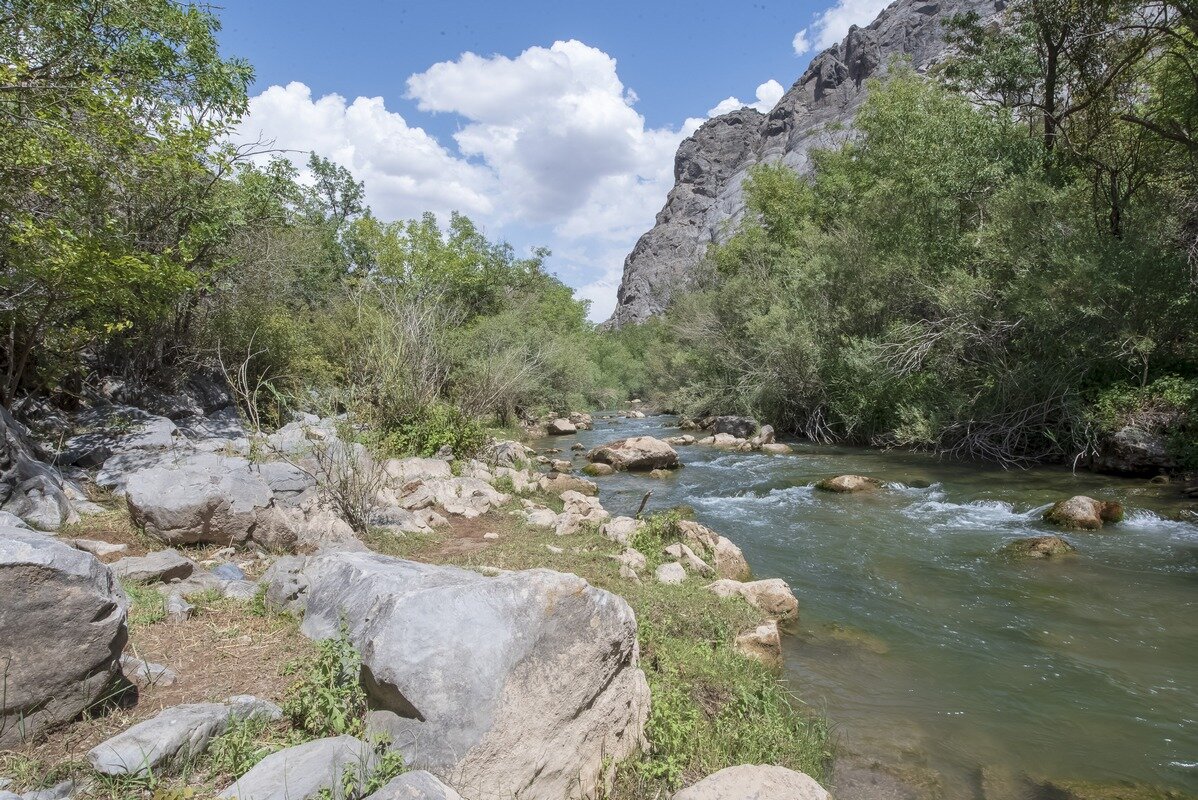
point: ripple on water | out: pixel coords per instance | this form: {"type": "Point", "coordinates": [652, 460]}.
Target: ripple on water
{"type": "Point", "coordinates": [741, 506]}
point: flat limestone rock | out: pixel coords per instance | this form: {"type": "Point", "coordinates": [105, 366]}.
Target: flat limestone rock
{"type": "Point", "coordinates": [636, 453]}
{"type": "Point", "coordinates": [418, 785]}
{"type": "Point", "coordinates": [161, 567]}
{"type": "Point", "coordinates": [772, 595]}
{"type": "Point", "coordinates": [174, 733]}
{"type": "Point", "coordinates": [749, 782]}
{"type": "Point", "coordinates": [303, 771]}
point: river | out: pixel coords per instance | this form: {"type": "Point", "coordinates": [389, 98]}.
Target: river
{"type": "Point", "coordinates": [931, 653]}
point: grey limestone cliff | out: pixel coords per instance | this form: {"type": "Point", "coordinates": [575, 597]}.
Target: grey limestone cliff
{"type": "Point", "coordinates": [707, 201]}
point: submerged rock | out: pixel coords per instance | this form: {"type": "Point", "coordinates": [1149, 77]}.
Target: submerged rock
{"type": "Point", "coordinates": [844, 484]}
{"type": "Point", "coordinates": [523, 684]}
{"type": "Point", "coordinates": [1084, 512]}
{"type": "Point", "coordinates": [1039, 547]}
{"type": "Point", "coordinates": [62, 630]}
{"type": "Point", "coordinates": [636, 453]}
{"type": "Point", "coordinates": [756, 782]}
{"type": "Point", "coordinates": [599, 470]}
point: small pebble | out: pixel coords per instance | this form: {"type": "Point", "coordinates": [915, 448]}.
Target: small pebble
{"type": "Point", "coordinates": [490, 535]}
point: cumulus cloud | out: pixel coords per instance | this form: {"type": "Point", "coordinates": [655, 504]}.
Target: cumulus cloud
{"type": "Point", "coordinates": [830, 25]}
{"type": "Point", "coordinates": [548, 145]}
{"type": "Point", "coordinates": [768, 95]}
{"type": "Point", "coordinates": [801, 43]}
{"type": "Point", "coordinates": [406, 170]}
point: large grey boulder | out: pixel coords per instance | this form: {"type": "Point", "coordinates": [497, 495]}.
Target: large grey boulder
{"type": "Point", "coordinates": [205, 498]}
{"type": "Point", "coordinates": [635, 453]}
{"type": "Point", "coordinates": [174, 733]}
{"type": "Point", "coordinates": [740, 427]}
{"type": "Point", "coordinates": [418, 785]}
{"type": "Point", "coordinates": [115, 429]}
{"type": "Point", "coordinates": [1136, 450]}
{"type": "Point", "coordinates": [748, 782]}
{"type": "Point", "coordinates": [524, 684]}
{"type": "Point", "coordinates": [62, 630]}
{"type": "Point", "coordinates": [305, 770]}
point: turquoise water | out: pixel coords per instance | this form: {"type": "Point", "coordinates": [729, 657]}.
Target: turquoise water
{"type": "Point", "coordinates": [932, 654]}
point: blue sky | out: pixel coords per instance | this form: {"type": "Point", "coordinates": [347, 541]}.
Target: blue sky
{"type": "Point", "coordinates": [548, 123]}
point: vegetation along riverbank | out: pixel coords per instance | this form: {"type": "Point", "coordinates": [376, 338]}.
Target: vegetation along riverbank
{"type": "Point", "coordinates": [301, 502]}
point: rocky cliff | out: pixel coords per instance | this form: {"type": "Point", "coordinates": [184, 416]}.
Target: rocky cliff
{"type": "Point", "coordinates": [707, 200]}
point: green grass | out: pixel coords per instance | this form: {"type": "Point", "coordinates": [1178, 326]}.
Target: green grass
{"type": "Point", "coordinates": [712, 706]}
{"type": "Point", "coordinates": [147, 605]}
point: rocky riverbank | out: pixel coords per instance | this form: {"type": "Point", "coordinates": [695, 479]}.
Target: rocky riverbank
{"type": "Point", "coordinates": [485, 627]}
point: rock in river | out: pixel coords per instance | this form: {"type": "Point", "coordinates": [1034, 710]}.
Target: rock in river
{"type": "Point", "coordinates": [523, 684]}
{"type": "Point", "coordinates": [1084, 512]}
{"type": "Point", "coordinates": [561, 427]}
{"type": "Point", "coordinates": [1039, 547]}
{"type": "Point", "coordinates": [772, 596]}
{"type": "Point", "coordinates": [636, 453]}
{"type": "Point", "coordinates": [843, 484]}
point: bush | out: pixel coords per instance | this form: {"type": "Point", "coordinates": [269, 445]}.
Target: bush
{"type": "Point", "coordinates": [327, 697]}
{"type": "Point", "coordinates": [438, 426]}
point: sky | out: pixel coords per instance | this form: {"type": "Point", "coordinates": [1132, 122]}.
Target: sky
{"type": "Point", "coordinates": [549, 124]}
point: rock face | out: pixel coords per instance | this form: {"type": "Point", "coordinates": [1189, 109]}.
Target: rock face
{"type": "Point", "coordinates": [524, 684]}
{"type": "Point", "coordinates": [1135, 451]}
{"type": "Point", "coordinates": [710, 168]}
{"type": "Point", "coordinates": [637, 453]}
{"type": "Point", "coordinates": [748, 782]}
{"type": "Point", "coordinates": [30, 487]}
{"type": "Point", "coordinates": [1083, 512]}
{"type": "Point", "coordinates": [62, 630]}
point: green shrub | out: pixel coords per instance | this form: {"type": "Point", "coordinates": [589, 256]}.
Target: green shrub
{"type": "Point", "coordinates": [327, 697]}
{"type": "Point", "coordinates": [425, 434]}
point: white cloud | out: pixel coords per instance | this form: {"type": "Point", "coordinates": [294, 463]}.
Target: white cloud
{"type": "Point", "coordinates": [832, 24]}
{"type": "Point", "coordinates": [549, 145]}
{"type": "Point", "coordinates": [768, 95]}
{"type": "Point", "coordinates": [405, 169]}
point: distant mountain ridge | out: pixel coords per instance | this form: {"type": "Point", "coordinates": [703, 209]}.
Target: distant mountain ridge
{"type": "Point", "coordinates": [707, 201]}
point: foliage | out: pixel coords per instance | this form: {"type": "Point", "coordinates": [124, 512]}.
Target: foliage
{"type": "Point", "coordinates": [935, 286]}
{"type": "Point", "coordinates": [326, 698]}
{"type": "Point", "coordinates": [146, 605]}
{"type": "Point", "coordinates": [439, 425]}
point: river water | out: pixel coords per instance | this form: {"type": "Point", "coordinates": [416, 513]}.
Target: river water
{"type": "Point", "coordinates": [928, 651]}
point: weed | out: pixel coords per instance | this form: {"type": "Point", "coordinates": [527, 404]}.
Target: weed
{"type": "Point", "coordinates": [146, 605]}
{"type": "Point", "coordinates": [327, 698]}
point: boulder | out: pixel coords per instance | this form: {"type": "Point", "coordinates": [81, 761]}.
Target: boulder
{"type": "Point", "coordinates": [777, 449]}
{"type": "Point", "coordinates": [95, 547]}
{"type": "Point", "coordinates": [1039, 547]}
{"type": "Point", "coordinates": [1083, 512]}
{"type": "Point", "coordinates": [681, 441]}
{"type": "Point", "coordinates": [1135, 451]}
{"type": "Point", "coordinates": [599, 470]}
{"type": "Point", "coordinates": [175, 733]}
{"type": "Point", "coordinates": [115, 429]}
{"type": "Point", "coordinates": [670, 573]}
{"type": "Point", "coordinates": [161, 567]}
{"type": "Point", "coordinates": [305, 771]}
{"type": "Point", "coordinates": [31, 487]}
{"type": "Point", "coordinates": [561, 465]}
{"type": "Point", "coordinates": [844, 484]}
{"type": "Point", "coordinates": [771, 596]}
{"type": "Point", "coordinates": [557, 483]}
{"type": "Point", "coordinates": [147, 673]}
{"type": "Point", "coordinates": [522, 684]}
{"type": "Point", "coordinates": [507, 453]}
{"type": "Point", "coordinates": [765, 435]}
{"type": "Point", "coordinates": [620, 529]}
{"type": "Point", "coordinates": [62, 630]}
{"type": "Point", "coordinates": [561, 427]}
{"type": "Point", "coordinates": [762, 643]}
{"type": "Point", "coordinates": [748, 782]}
{"type": "Point", "coordinates": [636, 453]}
{"type": "Point", "coordinates": [634, 414]}
{"type": "Point", "coordinates": [687, 558]}
{"type": "Point", "coordinates": [581, 420]}
{"type": "Point", "coordinates": [725, 440]}
{"type": "Point", "coordinates": [688, 424]}
{"type": "Point", "coordinates": [720, 552]}
{"type": "Point", "coordinates": [418, 785]}
{"type": "Point", "coordinates": [737, 427]}
{"type": "Point", "coordinates": [204, 498]}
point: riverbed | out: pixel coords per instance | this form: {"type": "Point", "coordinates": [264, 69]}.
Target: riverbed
{"type": "Point", "coordinates": [930, 652]}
